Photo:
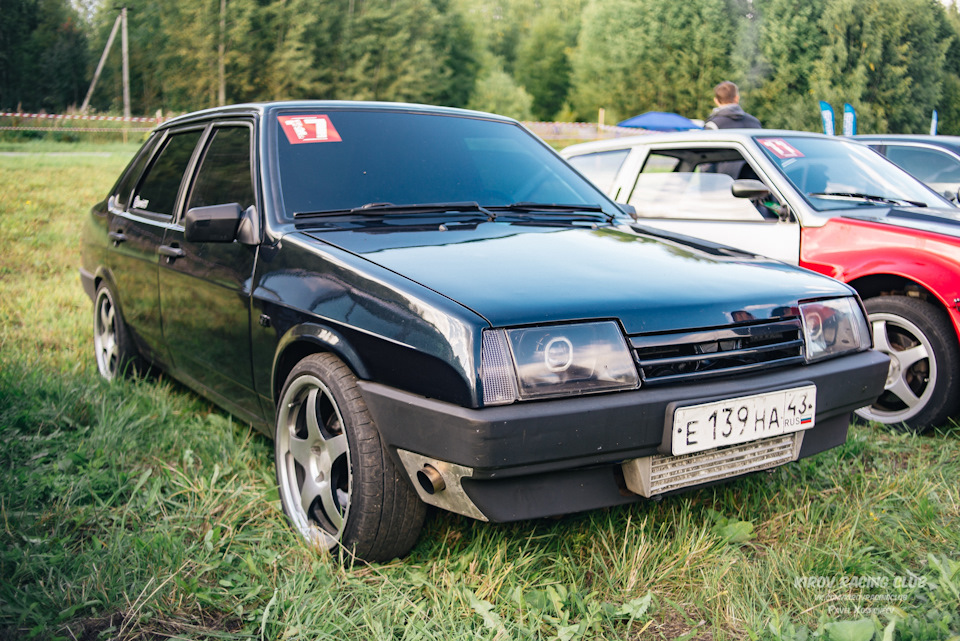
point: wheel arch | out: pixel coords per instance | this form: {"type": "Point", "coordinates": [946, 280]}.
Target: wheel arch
{"type": "Point", "coordinates": [311, 338]}
{"type": "Point", "coordinates": [102, 274]}
{"type": "Point", "coordinates": [105, 275]}
{"type": "Point", "coordinates": [890, 284]}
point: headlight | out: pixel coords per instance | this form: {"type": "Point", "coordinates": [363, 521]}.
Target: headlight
{"type": "Point", "coordinates": [833, 327]}
{"type": "Point", "coordinates": [560, 360]}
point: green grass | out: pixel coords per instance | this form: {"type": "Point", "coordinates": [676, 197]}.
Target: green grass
{"type": "Point", "coordinates": [44, 146]}
{"type": "Point", "coordinates": [140, 510]}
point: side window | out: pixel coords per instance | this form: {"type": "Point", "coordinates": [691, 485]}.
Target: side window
{"type": "Point", "coordinates": [669, 188]}
{"type": "Point", "coordinates": [928, 165]}
{"type": "Point", "coordinates": [121, 191]}
{"type": "Point", "coordinates": [157, 193]}
{"type": "Point", "coordinates": [659, 163]}
{"type": "Point", "coordinates": [600, 168]}
{"type": "Point", "coordinates": [225, 175]}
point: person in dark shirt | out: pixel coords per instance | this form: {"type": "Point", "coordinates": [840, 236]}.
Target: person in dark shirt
{"type": "Point", "coordinates": [728, 113]}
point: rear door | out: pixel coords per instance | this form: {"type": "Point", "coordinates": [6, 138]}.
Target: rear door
{"type": "Point", "coordinates": [138, 222]}
{"type": "Point", "coordinates": [205, 287]}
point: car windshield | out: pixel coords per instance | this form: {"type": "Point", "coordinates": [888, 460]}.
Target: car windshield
{"type": "Point", "coordinates": [334, 161]}
{"type": "Point", "coordinates": [838, 174]}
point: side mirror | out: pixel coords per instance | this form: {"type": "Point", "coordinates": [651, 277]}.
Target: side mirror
{"type": "Point", "coordinates": [749, 188]}
{"type": "Point", "coordinates": [213, 224]}
{"type": "Point", "coordinates": [629, 210]}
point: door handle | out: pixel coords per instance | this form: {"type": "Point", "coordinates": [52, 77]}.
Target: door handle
{"type": "Point", "coordinates": [171, 252]}
{"type": "Point", "coordinates": [117, 237]}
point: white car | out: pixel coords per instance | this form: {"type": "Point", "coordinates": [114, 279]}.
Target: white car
{"type": "Point", "coordinates": [826, 203]}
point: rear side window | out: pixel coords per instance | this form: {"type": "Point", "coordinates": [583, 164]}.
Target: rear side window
{"type": "Point", "coordinates": [158, 189]}
{"type": "Point", "coordinates": [602, 167]}
{"type": "Point", "coordinates": [225, 175]}
{"type": "Point", "coordinates": [121, 191]}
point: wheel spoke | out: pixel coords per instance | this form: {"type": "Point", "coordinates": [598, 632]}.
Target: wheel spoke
{"type": "Point", "coordinates": [301, 451]}
{"type": "Point", "coordinates": [880, 339]}
{"type": "Point", "coordinates": [911, 356]}
{"type": "Point", "coordinates": [314, 434]}
{"type": "Point", "coordinates": [335, 447]}
{"type": "Point", "coordinates": [109, 349]}
{"type": "Point", "coordinates": [901, 390]}
{"type": "Point", "coordinates": [330, 505]}
{"type": "Point", "coordinates": [310, 491]}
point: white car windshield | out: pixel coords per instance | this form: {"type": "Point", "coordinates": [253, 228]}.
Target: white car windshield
{"type": "Point", "coordinates": [839, 174]}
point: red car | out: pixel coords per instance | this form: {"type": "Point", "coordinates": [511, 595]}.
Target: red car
{"type": "Point", "coordinates": [825, 203]}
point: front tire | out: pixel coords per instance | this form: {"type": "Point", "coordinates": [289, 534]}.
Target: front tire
{"type": "Point", "coordinates": [338, 485]}
{"type": "Point", "coordinates": [923, 383]}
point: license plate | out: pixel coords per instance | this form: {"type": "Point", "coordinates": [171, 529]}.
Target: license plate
{"type": "Point", "coordinates": [738, 420]}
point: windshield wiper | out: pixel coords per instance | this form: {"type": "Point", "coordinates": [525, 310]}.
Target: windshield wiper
{"type": "Point", "coordinates": [377, 209]}
{"type": "Point", "coordinates": [868, 197]}
{"type": "Point", "coordinates": [556, 208]}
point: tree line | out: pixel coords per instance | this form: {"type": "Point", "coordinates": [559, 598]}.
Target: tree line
{"type": "Point", "coordinates": [895, 61]}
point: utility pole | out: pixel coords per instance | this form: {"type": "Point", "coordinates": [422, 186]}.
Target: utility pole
{"type": "Point", "coordinates": [120, 21]}
{"type": "Point", "coordinates": [221, 53]}
{"type": "Point", "coordinates": [103, 59]}
{"type": "Point", "coordinates": [126, 64]}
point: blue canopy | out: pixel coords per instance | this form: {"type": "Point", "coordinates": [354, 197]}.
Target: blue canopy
{"type": "Point", "coordinates": [659, 121]}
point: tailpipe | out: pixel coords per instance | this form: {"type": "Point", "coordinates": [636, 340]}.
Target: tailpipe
{"type": "Point", "coordinates": [430, 479]}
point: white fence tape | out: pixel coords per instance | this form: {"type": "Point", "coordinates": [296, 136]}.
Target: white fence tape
{"type": "Point", "coordinates": [11, 114]}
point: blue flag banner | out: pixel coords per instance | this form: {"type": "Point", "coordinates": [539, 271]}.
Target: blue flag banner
{"type": "Point", "coordinates": [826, 113]}
{"type": "Point", "coordinates": [849, 120]}
{"type": "Point", "coordinates": [933, 123]}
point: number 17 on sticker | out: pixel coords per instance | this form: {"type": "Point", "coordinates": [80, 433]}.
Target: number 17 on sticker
{"type": "Point", "coordinates": [303, 129]}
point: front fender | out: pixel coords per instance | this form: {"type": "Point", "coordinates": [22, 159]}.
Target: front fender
{"type": "Point", "coordinates": [312, 296]}
{"type": "Point", "coordinates": [849, 250]}
{"type": "Point", "coordinates": [316, 337]}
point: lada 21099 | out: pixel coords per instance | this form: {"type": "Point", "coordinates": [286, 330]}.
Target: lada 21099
{"type": "Point", "coordinates": [428, 306]}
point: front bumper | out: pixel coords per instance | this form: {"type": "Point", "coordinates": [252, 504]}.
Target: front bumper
{"type": "Point", "coordinates": [544, 458]}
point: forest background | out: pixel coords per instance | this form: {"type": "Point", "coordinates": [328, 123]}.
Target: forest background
{"type": "Point", "coordinates": [895, 61]}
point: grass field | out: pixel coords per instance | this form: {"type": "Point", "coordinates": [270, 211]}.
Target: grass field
{"type": "Point", "coordinates": [137, 510]}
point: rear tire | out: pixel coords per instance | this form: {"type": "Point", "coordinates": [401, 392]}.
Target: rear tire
{"type": "Point", "coordinates": [923, 383]}
{"type": "Point", "coordinates": [114, 349]}
{"type": "Point", "coordinates": [338, 485]}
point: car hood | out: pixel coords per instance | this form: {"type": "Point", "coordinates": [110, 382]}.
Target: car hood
{"type": "Point", "coordinates": [516, 274]}
{"type": "Point", "coordinates": [929, 219]}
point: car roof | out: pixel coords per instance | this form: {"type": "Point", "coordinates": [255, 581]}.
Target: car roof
{"type": "Point", "coordinates": [948, 142]}
{"type": "Point", "coordinates": [704, 135]}
{"type": "Point", "coordinates": [261, 108]}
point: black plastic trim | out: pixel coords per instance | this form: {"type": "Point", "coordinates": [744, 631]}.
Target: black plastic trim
{"type": "Point", "coordinates": [563, 434]}
{"type": "Point", "coordinates": [565, 492]}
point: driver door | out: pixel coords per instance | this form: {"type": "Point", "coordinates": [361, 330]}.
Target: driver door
{"type": "Point", "coordinates": [688, 191]}
{"type": "Point", "coordinates": [205, 287]}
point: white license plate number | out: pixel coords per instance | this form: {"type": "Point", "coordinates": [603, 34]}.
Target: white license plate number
{"type": "Point", "coordinates": [739, 420]}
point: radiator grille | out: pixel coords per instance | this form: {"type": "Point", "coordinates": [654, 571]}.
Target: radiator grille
{"type": "Point", "coordinates": [668, 358]}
